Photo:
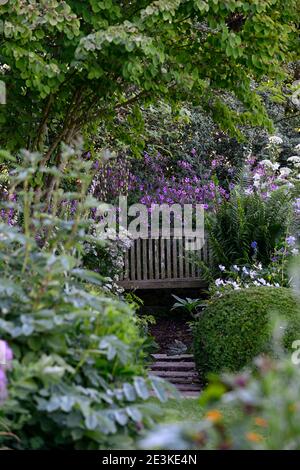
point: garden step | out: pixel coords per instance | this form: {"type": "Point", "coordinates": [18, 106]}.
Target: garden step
{"type": "Point", "coordinates": [179, 370]}
{"type": "Point", "coordinates": [177, 375]}
{"type": "Point", "coordinates": [173, 365]}
{"type": "Point", "coordinates": [191, 394]}
{"type": "Point", "coordinates": [188, 387]}
{"type": "Point", "coordinates": [178, 357]}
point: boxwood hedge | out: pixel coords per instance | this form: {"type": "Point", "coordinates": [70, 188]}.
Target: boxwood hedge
{"type": "Point", "coordinates": [236, 327]}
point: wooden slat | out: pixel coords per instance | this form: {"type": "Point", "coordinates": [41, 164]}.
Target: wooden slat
{"type": "Point", "coordinates": [162, 259]}
{"type": "Point", "coordinates": [145, 259]}
{"type": "Point", "coordinates": [156, 259]}
{"type": "Point", "coordinates": [150, 258]}
{"type": "Point", "coordinates": [180, 258]}
{"type": "Point", "coordinates": [193, 267]}
{"type": "Point", "coordinates": [132, 262]}
{"type": "Point", "coordinates": [174, 258]}
{"type": "Point", "coordinates": [168, 259]}
{"type": "Point", "coordinates": [164, 284]}
{"type": "Point", "coordinates": [186, 262]}
{"type": "Point", "coordinates": [138, 260]}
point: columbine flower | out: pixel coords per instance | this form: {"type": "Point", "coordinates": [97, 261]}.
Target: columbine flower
{"type": "Point", "coordinates": [275, 140]}
{"type": "Point", "coordinates": [245, 270]}
{"type": "Point", "coordinates": [254, 245]}
{"type": "Point", "coordinates": [221, 267]}
{"type": "Point", "coordinates": [219, 282]}
{"type": "Point", "coordinates": [235, 268]}
{"type": "Point", "coordinates": [291, 240]}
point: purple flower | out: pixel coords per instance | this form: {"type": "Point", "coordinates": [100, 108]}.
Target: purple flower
{"type": "Point", "coordinates": [6, 355]}
{"type": "Point", "coordinates": [3, 386]}
{"type": "Point", "coordinates": [254, 245]}
{"type": "Point", "coordinates": [291, 240]}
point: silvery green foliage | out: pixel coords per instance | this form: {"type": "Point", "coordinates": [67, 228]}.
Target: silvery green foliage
{"type": "Point", "coordinates": [77, 377]}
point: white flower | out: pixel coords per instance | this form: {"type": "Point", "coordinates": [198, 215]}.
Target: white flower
{"type": "Point", "coordinates": [284, 171]}
{"type": "Point", "coordinates": [294, 159]}
{"type": "Point", "coordinates": [252, 274]}
{"type": "Point", "coordinates": [245, 270]}
{"type": "Point", "coordinates": [267, 163]}
{"type": "Point", "coordinates": [262, 281]}
{"type": "Point", "coordinates": [221, 267]}
{"type": "Point", "coordinates": [248, 191]}
{"type": "Point", "coordinates": [297, 148]}
{"type": "Point", "coordinates": [295, 251]}
{"type": "Point", "coordinates": [219, 282]}
{"type": "Point", "coordinates": [275, 140]}
{"type": "Point", "coordinates": [235, 268]}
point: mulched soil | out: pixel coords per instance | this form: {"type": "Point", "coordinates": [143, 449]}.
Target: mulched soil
{"type": "Point", "coordinates": [168, 329]}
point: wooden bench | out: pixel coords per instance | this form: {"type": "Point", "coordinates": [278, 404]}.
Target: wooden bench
{"type": "Point", "coordinates": [162, 264]}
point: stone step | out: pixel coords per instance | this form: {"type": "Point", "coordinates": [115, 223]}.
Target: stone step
{"type": "Point", "coordinates": [177, 357]}
{"type": "Point", "coordinates": [172, 365]}
{"type": "Point", "coordinates": [180, 376]}
{"type": "Point", "coordinates": [188, 387]}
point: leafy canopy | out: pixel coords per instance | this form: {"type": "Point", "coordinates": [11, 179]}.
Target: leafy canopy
{"type": "Point", "coordinates": [69, 65]}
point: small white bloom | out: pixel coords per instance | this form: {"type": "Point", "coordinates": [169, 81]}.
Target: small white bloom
{"type": "Point", "coordinates": [294, 159]}
{"type": "Point", "coordinates": [274, 139]}
{"type": "Point", "coordinates": [221, 267]}
{"type": "Point", "coordinates": [262, 281]}
{"type": "Point", "coordinates": [267, 163]}
{"type": "Point", "coordinates": [235, 268]}
{"type": "Point", "coordinates": [284, 171]}
{"type": "Point", "coordinates": [245, 270]}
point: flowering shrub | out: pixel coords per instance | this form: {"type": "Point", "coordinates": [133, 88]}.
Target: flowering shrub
{"type": "Point", "coordinates": [269, 174]}
{"type": "Point", "coordinates": [275, 274]}
{"type": "Point", "coordinates": [157, 179]}
{"type": "Point", "coordinates": [104, 253]}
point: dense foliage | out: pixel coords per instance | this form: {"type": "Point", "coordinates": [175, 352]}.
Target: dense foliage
{"type": "Point", "coordinates": [77, 376]}
{"type": "Point", "coordinates": [235, 328]}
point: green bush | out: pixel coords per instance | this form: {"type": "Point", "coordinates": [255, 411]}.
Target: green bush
{"type": "Point", "coordinates": [236, 327]}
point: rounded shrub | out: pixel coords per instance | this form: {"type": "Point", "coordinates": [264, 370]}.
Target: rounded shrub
{"type": "Point", "coordinates": [236, 327]}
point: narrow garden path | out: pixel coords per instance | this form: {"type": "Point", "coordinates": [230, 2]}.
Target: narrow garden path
{"type": "Point", "coordinates": [173, 360]}
{"type": "Point", "coordinates": [179, 370]}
